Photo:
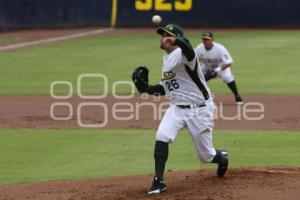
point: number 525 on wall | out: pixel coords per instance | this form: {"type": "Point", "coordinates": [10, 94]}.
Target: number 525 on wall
{"type": "Point", "coordinates": [163, 5]}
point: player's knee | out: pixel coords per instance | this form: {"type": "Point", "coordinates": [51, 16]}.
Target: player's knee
{"type": "Point", "coordinates": [227, 78]}
{"type": "Point", "coordinates": [206, 157]}
{"type": "Point", "coordinates": [162, 136]}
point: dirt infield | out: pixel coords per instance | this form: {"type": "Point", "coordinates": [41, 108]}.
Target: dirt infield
{"type": "Point", "coordinates": [242, 183]}
{"type": "Point", "coordinates": [281, 112]}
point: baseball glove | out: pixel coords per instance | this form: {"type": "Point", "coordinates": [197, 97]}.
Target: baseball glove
{"type": "Point", "coordinates": [140, 78]}
{"type": "Point", "coordinates": [209, 74]}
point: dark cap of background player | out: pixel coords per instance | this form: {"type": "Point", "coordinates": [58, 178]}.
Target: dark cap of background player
{"type": "Point", "coordinates": [171, 29]}
{"type": "Point", "coordinates": [207, 35]}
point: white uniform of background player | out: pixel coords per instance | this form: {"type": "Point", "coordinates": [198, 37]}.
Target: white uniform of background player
{"type": "Point", "coordinates": [191, 105]}
{"type": "Point", "coordinates": [216, 62]}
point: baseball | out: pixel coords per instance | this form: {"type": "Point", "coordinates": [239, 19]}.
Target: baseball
{"type": "Point", "coordinates": [156, 19]}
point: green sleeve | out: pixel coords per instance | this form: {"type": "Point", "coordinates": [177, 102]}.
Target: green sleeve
{"type": "Point", "coordinates": [186, 47]}
{"type": "Point", "coordinates": [156, 90]}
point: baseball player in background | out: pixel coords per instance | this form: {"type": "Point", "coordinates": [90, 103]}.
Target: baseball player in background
{"type": "Point", "coordinates": [216, 63]}
{"type": "Point", "coordinates": [191, 104]}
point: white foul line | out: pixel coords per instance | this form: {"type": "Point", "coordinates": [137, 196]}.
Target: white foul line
{"type": "Point", "coordinates": [55, 39]}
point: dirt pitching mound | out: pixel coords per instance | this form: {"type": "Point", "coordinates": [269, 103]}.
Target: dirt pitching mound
{"type": "Point", "coordinates": [239, 183]}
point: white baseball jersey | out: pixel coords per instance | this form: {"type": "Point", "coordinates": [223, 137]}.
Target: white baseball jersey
{"type": "Point", "coordinates": [213, 58]}
{"type": "Point", "coordinates": [180, 88]}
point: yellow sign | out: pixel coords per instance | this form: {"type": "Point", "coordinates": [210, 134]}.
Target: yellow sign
{"type": "Point", "coordinates": [163, 5]}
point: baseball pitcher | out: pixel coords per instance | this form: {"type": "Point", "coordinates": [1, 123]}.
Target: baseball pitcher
{"type": "Point", "coordinates": [191, 104]}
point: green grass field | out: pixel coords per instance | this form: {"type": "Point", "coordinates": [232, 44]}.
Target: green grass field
{"type": "Point", "coordinates": [265, 62]}
{"type": "Point", "coordinates": [38, 155]}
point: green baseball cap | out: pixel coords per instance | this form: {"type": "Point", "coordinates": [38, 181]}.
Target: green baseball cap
{"type": "Point", "coordinates": [171, 29]}
{"type": "Point", "coordinates": [207, 35]}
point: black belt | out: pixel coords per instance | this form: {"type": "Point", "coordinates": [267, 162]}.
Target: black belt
{"type": "Point", "coordinates": [191, 106]}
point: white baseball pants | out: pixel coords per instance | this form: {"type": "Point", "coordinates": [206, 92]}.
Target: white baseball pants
{"type": "Point", "coordinates": [198, 120]}
{"type": "Point", "coordinates": [226, 75]}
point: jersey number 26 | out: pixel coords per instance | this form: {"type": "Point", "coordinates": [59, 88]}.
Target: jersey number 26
{"type": "Point", "coordinates": [172, 85]}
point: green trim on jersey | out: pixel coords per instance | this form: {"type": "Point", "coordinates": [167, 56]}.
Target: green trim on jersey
{"type": "Point", "coordinates": [186, 47]}
{"type": "Point", "coordinates": [194, 76]}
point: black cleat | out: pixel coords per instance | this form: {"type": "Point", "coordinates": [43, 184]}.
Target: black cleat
{"type": "Point", "coordinates": [238, 100]}
{"type": "Point", "coordinates": [223, 164]}
{"type": "Point", "coordinates": [158, 186]}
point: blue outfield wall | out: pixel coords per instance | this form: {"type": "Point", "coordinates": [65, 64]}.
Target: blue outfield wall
{"type": "Point", "coordinates": [211, 13]}
{"type": "Point", "coordinates": [194, 13]}
{"type": "Point", "coordinates": [54, 13]}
